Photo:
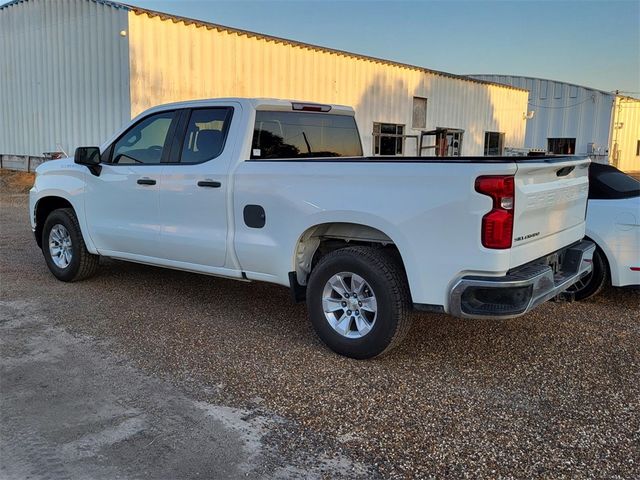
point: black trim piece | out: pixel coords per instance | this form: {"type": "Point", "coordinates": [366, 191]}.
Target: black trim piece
{"type": "Point", "coordinates": [298, 292]}
{"type": "Point", "coordinates": [106, 155]}
{"type": "Point", "coordinates": [254, 216]}
{"type": "Point", "coordinates": [545, 159]}
{"type": "Point", "coordinates": [427, 307]}
{"type": "Point", "coordinates": [146, 181]}
{"type": "Point", "coordinates": [564, 171]}
{"type": "Point", "coordinates": [177, 132]}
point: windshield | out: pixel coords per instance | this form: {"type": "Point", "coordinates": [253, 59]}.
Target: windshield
{"type": "Point", "coordinates": [607, 182]}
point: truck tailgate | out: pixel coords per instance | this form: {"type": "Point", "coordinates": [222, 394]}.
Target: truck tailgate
{"type": "Point", "coordinates": [550, 201]}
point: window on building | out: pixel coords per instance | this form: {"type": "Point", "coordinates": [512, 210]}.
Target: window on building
{"type": "Point", "coordinates": [561, 146]}
{"type": "Point", "coordinates": [302, 134]}
{"type": "Point", "coordinates": [493, 143]}
{"type": "Point", "coordinates": [419, 119]}
{"type": "Point", "coordinates": [206, 133]}
{"type": "Point", "coordinates": [388, 139]}
{"type": "Point", "coordinates": [638, 149]}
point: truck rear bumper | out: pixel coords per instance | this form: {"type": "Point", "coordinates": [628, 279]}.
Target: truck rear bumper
{"type": "Point", "coordinates": [522, 288]}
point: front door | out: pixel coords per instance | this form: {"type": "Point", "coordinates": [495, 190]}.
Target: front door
{"type": "Point", "coordinates": [194, 188]}
{"type": "Point", "coordinates": [122, 201]}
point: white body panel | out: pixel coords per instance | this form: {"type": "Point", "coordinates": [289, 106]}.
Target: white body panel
{"type": "Point", "coordinates": [614, 225]}
{"type": "Point", "coordinates": [547, 205]}
{"type": "Point", "coordinates": [428, 209]}
{"type": "Point", "coordinates": [62, 179]}
{"type": "Point", "coordinates": [124, 215]}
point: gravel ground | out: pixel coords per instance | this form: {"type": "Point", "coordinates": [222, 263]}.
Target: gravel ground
{"type": "Point", "coordinates": [553, 394]}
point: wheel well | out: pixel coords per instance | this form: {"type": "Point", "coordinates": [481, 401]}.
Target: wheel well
{"type": "Point", "coordinates": [322, 239]}
{"type": "Point", "coordinates": [607, 266]}
{"type": "Point", "coordinates": [44, 207]}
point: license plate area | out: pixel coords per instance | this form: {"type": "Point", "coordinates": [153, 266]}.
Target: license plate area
{"type": "Point", "coordinates": [555, 262]}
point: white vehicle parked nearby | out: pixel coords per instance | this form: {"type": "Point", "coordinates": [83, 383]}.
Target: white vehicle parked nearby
{"type": "Point", "coordinates": [613, 223]}
{"type": "Point", "coordinates": [278, 191]}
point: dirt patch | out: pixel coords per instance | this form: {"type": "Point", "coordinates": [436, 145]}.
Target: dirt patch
{"type": "Point", "coordinates": [12, 181]}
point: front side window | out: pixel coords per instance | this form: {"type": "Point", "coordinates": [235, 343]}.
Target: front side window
{"type": "Point", "coordinates": [145, 141]}
{"type": "Point", "coordinates": [206, 133]}
{"type": "Point", "coordinates": [388, 139]}
{"type": "Point", "coordinates": [301, 134]}
{"type": "Point", "coordinates": [561, 146]}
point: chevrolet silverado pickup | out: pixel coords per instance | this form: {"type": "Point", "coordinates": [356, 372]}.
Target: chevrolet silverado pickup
{"type": "Point", "coordinates": [279, 191]}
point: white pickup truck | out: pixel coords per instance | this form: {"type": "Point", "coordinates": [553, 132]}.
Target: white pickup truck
{"type": "Point", "coordinates": [278, 191]}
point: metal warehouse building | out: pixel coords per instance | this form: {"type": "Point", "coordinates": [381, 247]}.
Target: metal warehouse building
{"type": "Point", "coordinates": [73, 71]}
{"type": "Point", "coordinates": [569, 118]}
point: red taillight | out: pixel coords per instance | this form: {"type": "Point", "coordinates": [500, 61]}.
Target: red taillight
{"type": "Point", "coordinates": [497, 225]}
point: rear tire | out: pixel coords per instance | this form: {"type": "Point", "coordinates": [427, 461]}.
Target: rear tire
{"type": "Point", "coordinates": [591, 284]}
{"type": "Point", "coordinates": [358, 302]}
{"type": "Point", "coordinates": [64, 249]}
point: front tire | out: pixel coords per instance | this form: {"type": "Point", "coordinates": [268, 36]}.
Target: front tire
{"type": "Point", "coordinates": [358, 302]}
{"type": "Point", "coordinates": [64, 249]}
{"type": "Point", "coordinates": [592, 283]}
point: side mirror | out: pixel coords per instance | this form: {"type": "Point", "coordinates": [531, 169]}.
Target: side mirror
{"type": "Point", "coordinates": [89, 156]}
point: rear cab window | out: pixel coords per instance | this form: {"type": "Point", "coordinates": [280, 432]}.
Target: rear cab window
{"type": "Point", "coordinates": [282, 134]}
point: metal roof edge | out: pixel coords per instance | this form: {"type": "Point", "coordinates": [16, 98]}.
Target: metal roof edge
{"type": "Point", "coordinates": [249, 33]}
{"type": "Point", "coordinates": [545, 79]}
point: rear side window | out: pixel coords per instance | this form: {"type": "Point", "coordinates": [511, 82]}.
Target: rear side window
{"type": "Point", "coordinates": [303, 134]}
{"type": "Point", "coordinates": [607, 182]}
{"type": "Point", "coordinates": [206, 133]}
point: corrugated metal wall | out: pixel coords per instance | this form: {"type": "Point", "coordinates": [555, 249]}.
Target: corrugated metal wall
{"type": "Point", "coordinates": [563, 110]}
{"type": "Point", "coordinates": [69, 78]}
{"type": "Point", "coordinates": [625, 136]}
{"type": "Point", "coordinates": [64, 75]}
{"type": "Point", "coordinates": [172, 61]}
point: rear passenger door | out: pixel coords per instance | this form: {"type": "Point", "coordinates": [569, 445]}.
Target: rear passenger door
{"type": "Point", "coordinates": [194, 187]}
